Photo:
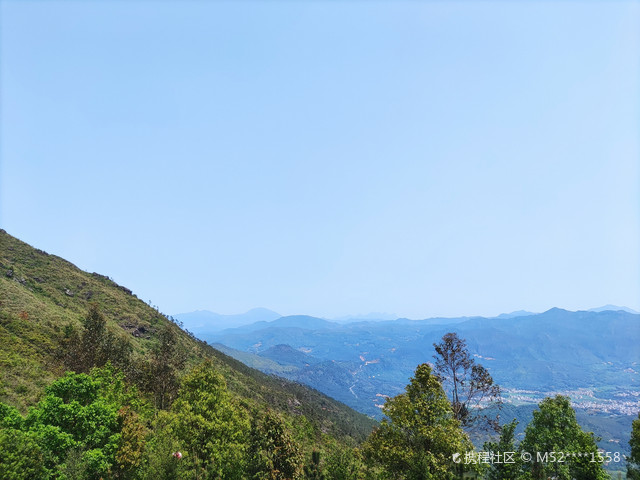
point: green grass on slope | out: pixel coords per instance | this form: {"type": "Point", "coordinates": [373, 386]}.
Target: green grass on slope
{"type": "Point", "coordinates": [40, 294]}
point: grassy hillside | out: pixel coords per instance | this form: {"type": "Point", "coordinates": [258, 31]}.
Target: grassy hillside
{"type": "Point", "coordinates": [41, 295]}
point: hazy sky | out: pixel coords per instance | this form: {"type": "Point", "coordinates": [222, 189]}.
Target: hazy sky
{"type": "Point", "coordinates": [329, 158]}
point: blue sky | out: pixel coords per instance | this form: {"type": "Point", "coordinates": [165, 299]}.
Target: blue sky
{"type": "Point", "coordinates": [329, 158]}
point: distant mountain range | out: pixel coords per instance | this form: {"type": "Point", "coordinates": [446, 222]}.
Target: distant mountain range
{"type": "Point", "coordinates": [205, 321]}
{"type": "Point", "coordinates": [554, 350]}
{"type": "Point", "coordinates": [592, 356]}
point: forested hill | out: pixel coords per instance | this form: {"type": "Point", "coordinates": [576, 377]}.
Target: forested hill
{"type": "Point", "coordinates": [43, 298]}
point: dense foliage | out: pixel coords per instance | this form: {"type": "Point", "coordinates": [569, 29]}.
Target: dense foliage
{"type": "Point", "coordinates": [418, 439]}
{"type": "Point", "coordinates": [273, 453]}
{"type": "Point", "coordinates": [554, 429]}
{"type": "Point", "coordinates": [211, 428]}
{"type": "Point", "coordinates": [93, 426]}
{"type": "Point", "coordinates": [98, 426]}
{"type": "Point", "coordinates": [84, 423]}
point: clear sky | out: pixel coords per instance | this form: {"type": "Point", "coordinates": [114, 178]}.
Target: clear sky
{"type": "Point", "coordinates": [329, 158]}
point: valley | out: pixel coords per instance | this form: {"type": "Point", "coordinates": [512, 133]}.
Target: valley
{"type": "Point", "coordinates": [590, 356]}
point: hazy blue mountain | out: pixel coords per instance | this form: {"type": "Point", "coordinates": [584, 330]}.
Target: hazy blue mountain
{"type": "Point", "coordinates": [304, 322]}
{"type": "Point", "coordinates": [204, 321]}
{"type": "Point", "coordinates": [518, 313]}
{"type": "Point", "coordinates": [613, 308]}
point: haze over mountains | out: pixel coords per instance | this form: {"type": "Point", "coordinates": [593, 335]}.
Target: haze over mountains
{"type": "Point", "coordinates": [614, 308]}
{"type": "Point", "coordinates": [205, 321]}
{"type": "Point", "coordinates": [593, 356]}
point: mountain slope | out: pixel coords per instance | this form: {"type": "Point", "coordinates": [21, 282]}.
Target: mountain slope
{"type": "Point", "coordinates": [41, 294]}
{"type": "Point", "coordinates": [285, 355]}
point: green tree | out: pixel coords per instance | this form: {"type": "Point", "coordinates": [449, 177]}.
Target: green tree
{"type": "Point", "coordinates": [210, 427]}
{"type": "Point", "coordinates": [633, 461]}
{"type": "Point", "coordinates": [75, 465]}
{"type": "Point", "coordinates": [418, 438]}
{"type": "Point", "coordinates": [166, 361]}
{"type": "Point", "coordinates": [129, 456]}
{"type": "Point", "coordinates": [76, 426]}
{"type": "Point", "coordinates": [313, 471]}
{"type": "Point", "coordinates": [467, 384]}
{"type": "Point", "coordinates": [554, 428]}
{"type": "Point", "coordinates": [162, 451]}
{"type": "Point", "coordinates": [500, 470]}
{"type": "Point", "coordinates": [10, 417]}
{"type": "Point", "coordinates": [93, 351]}
{"type": "Point", "coordinates": [95, 345]}
{"type": "Point", "coordinates": [22, 457]}
{"type": "Point", "coordinates": [273, 454]}
{"type": "Point", "coordinates": [74, 414]}
{"type": "Point", "coordinates": [343, 463]}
